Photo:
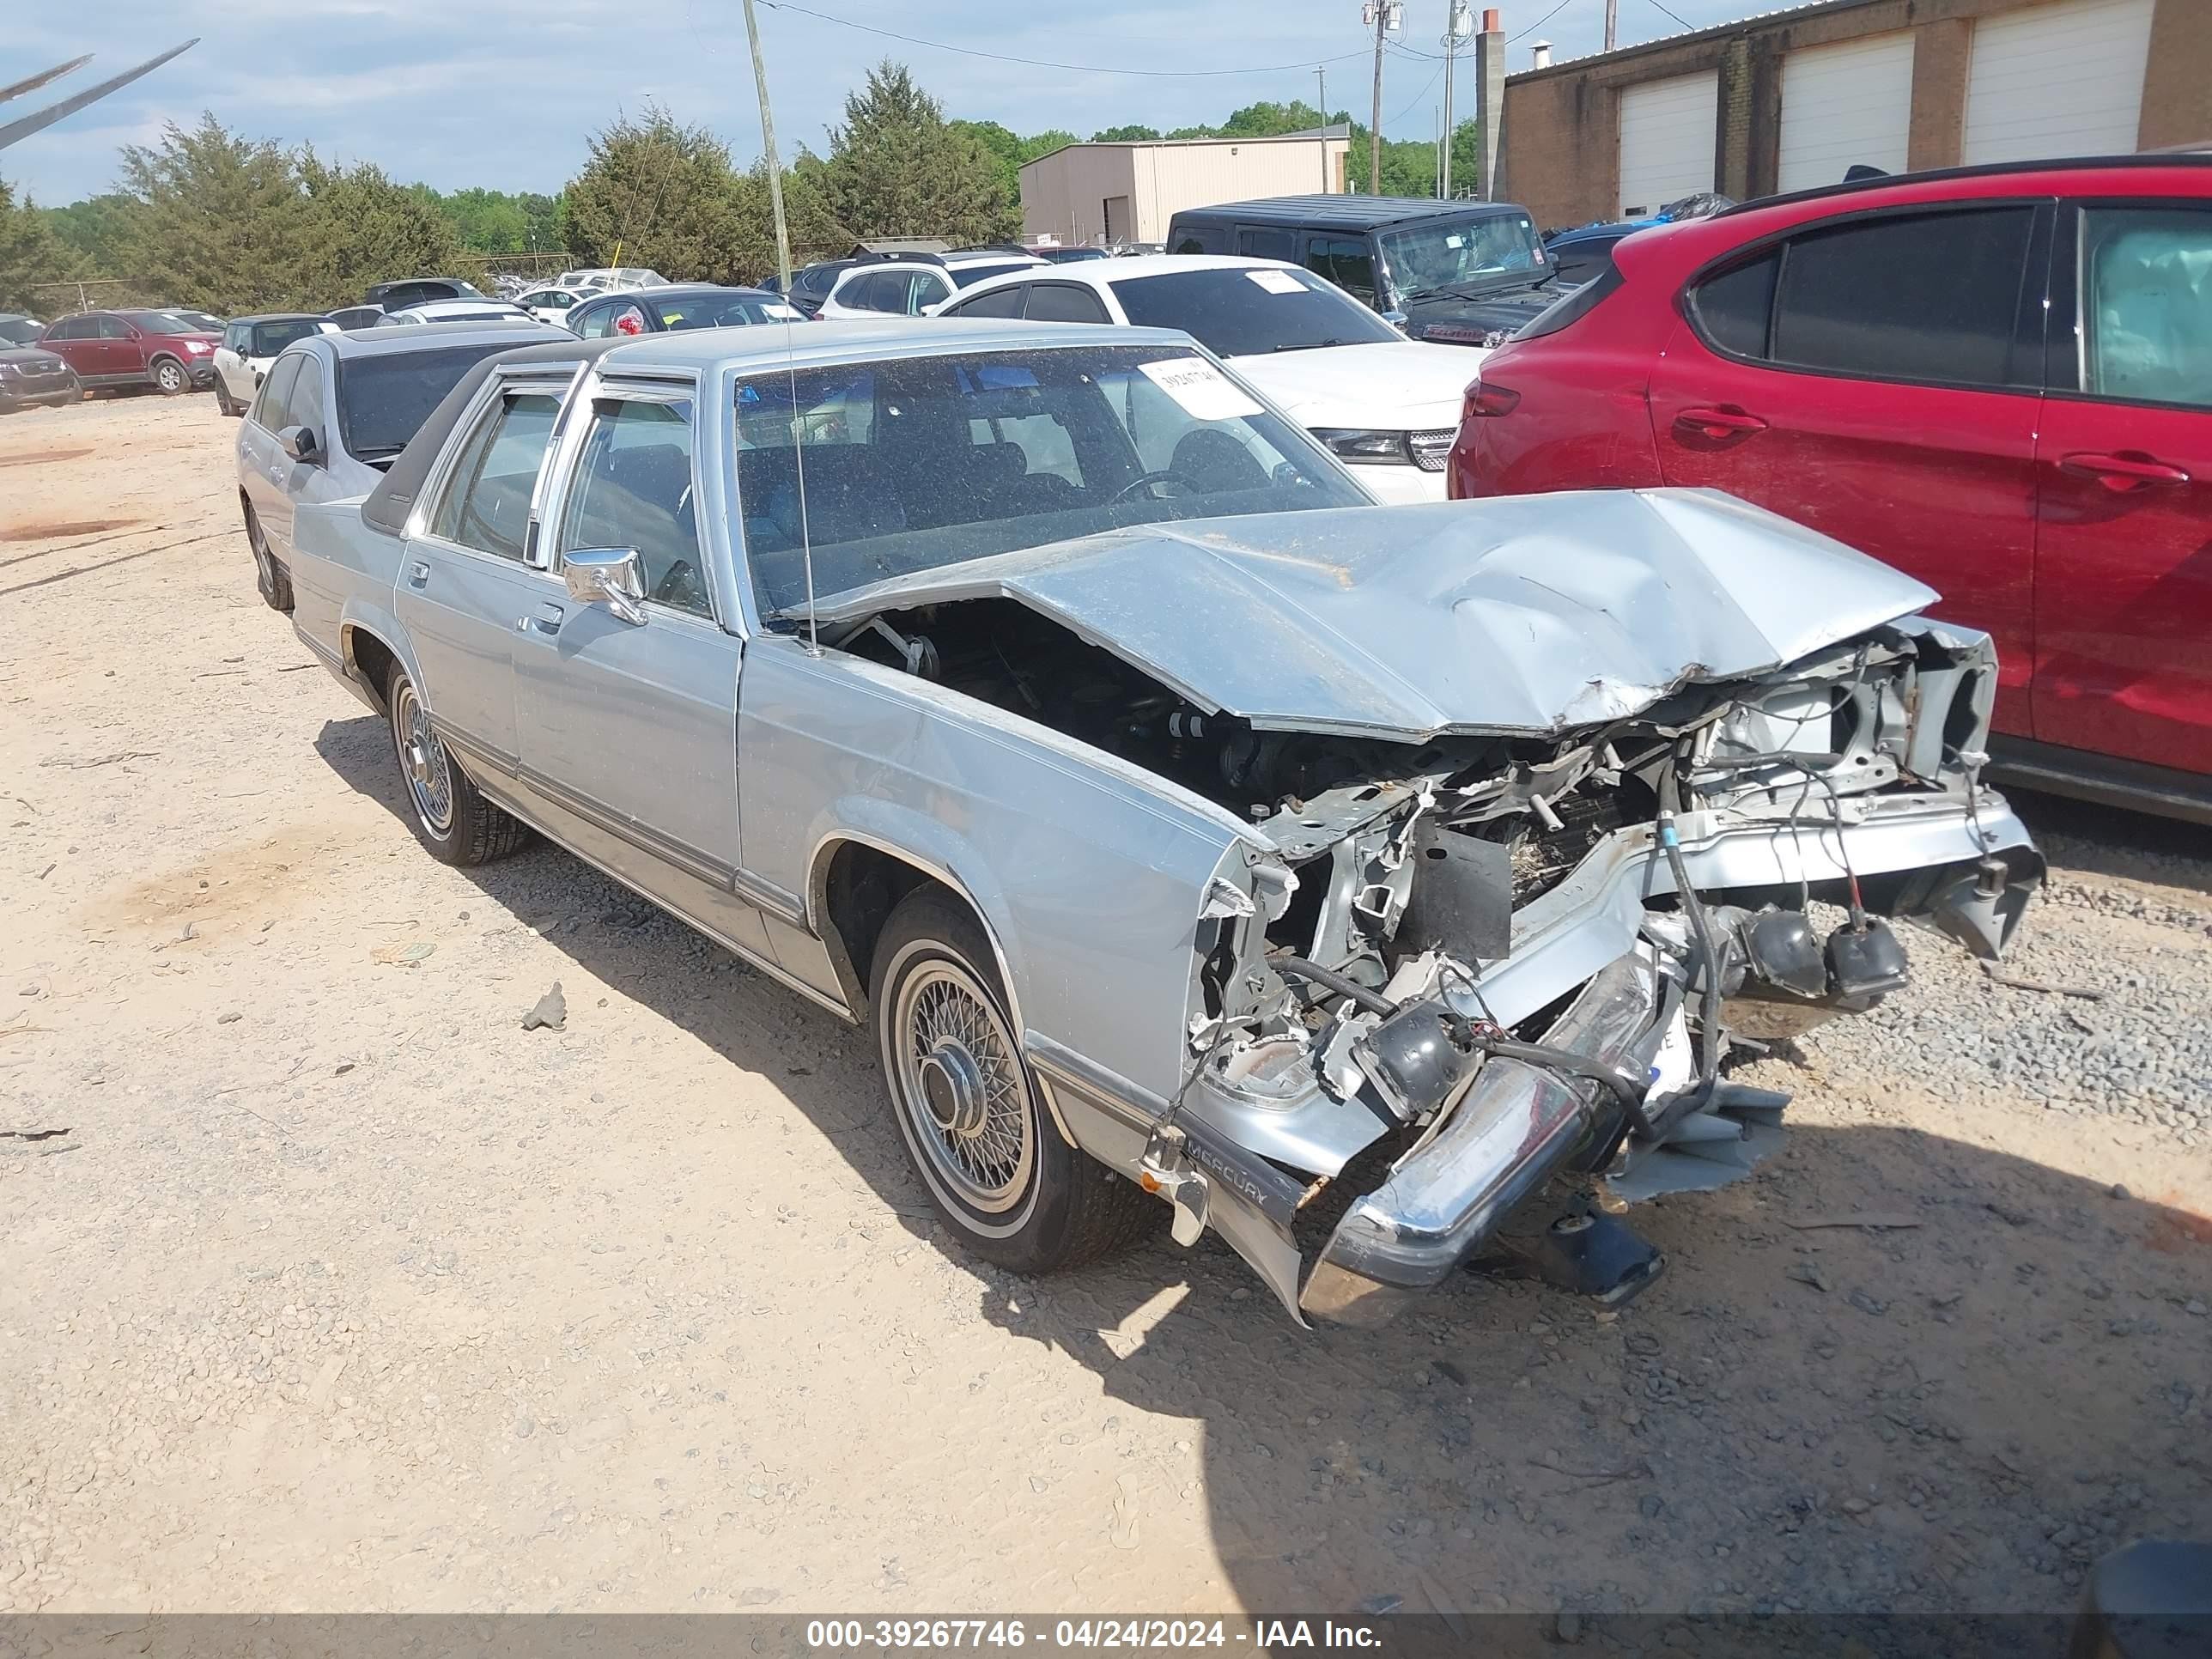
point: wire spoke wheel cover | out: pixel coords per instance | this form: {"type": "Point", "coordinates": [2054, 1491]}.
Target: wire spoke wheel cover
{"type": "Point", "coordinates": [422, 761]}
{"type": "Point", "coordinates": [960, 1087]}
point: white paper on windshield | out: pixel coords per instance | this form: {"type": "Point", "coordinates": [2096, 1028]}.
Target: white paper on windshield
{"type": "Point", "coordinates": [1202, 390]}
{"type": "Point", "coordinates": [1277, 282]}
{"type": "Point", "coordinates": [783, 313]}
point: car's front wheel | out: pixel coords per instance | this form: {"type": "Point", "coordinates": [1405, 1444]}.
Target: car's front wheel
{"type": "Point", "coordinates": [455, 822]}
{"type": "Point", "coordinates": [1006, 1183]}
{"type": "Point", "coordinates": [169, 376]}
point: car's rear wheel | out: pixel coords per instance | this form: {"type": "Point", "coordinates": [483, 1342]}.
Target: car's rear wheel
{"type": "Point", "coordinates": [456, 822]}
{"type": "Point", "coordinates": [970, 1113]}
{"type": "Point", "coordinates": [222, 399]}
{"type": "Point", "coordinates": [169, 376]}
{"type": "Point", "coordinates": [269, 573]}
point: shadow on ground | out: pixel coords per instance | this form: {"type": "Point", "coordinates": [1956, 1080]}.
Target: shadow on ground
{"type": "Point", "coordinates": [1955, 1414]}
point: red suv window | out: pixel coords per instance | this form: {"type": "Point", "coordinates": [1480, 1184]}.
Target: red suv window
{"type": "Point", "coordinates": [1929, 297]}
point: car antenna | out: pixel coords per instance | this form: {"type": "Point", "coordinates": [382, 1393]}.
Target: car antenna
{"type": "Point", "coordinates": [790, 368]}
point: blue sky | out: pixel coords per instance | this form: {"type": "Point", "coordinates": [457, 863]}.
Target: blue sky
{"type": "Point", "coordinates": [502, 93]}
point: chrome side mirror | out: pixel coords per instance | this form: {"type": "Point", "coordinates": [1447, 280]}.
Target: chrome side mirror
{"type": "Point", "coordinates": [612, 576]}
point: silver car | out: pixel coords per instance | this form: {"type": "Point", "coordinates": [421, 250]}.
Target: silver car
{"type": "Point", "coordinates": [331, 411]}
{"type": "Point", "coordinates": [1198, 838]}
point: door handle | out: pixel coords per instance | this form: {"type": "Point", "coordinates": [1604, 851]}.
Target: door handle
{"type": "Point", "coordinates": [548, 619]}
{"type": "Point", "coordinates": [1724, 422]}
{"type": "Point", "coordinates": [2121, 473]}
{"type": "Point", "coordinates": [418, 575]}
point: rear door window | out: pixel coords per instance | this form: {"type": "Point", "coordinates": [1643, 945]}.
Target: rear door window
{"type": "Point", "coordinates": [1200, 238]}
{"type": "Point", "coordinates": [486, 504]}
{"type": "Point", "coordinates": [1065, 302]}
{"type": "Point", "coordinates": [1923, 296]}
{"type": "Point", "coordinates": [1263, 242]}
{"type": "Point", "coordinates": [999, 302]}
{"type": "Point", "coordinates": [1345, 261]}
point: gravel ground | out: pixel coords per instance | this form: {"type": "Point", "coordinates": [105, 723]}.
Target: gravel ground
{"type": "Point", "coordinates": [343, 1292]}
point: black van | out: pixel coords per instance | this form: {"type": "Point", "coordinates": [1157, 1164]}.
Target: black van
{"type": "Point", "coordinates": [1464, 273]}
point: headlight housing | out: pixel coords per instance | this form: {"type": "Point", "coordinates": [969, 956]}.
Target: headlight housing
{"type": "Point", "coordinates": [1366, 447]}
{"type": "Point", "coordinates": [198, 348]}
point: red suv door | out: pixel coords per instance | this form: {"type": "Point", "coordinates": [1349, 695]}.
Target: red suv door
{"type": "Point", "coordinates": [2123, 529]}
{"type": "Point", "coordinates": [1876, 375]}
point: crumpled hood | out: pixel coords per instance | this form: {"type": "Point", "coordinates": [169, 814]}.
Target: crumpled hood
{"type": "Point", "coordinates": [1526, 615]}
{"type": "Point", "coordinates": [1387, 385]}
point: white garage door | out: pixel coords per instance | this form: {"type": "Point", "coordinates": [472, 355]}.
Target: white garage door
{"type": "Point", "coordinates": [2057, 80]}
{"type": "Point", "coordinates": [1845, 106]}
{"type": "Point", "coordinates": [1667, 140]}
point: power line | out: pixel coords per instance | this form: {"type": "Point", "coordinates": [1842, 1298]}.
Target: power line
{"type": "Point", "coordinates": [1416, 104]}
{"type": "Point", "coordinates": [1039, 63]}
{"type": "Point", "coordinates": [1541, 21]}
{"type": "Point", "coordinates": [1677, 16]}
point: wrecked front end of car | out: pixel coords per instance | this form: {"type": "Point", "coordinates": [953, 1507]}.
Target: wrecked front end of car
{"type": "Point", "coordinates": [1551, 807]}
{"type": "Point", "coordinates": [1509, 964]}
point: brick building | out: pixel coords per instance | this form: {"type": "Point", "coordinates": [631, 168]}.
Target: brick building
{"type": "Point", "coordinates": [1790, 100]}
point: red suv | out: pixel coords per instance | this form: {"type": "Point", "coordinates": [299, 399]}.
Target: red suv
{"type": "Point", "coordinates": [134, 348]}
{"type": "Point", "coordinates": [1997, 379]}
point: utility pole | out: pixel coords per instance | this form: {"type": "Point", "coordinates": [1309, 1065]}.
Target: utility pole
{"type": "Point", "coordinates": [1320, 84]}
{"type": "Point", "coordinates": [1457, 26]}
{"type": "Point", "coordinates": [1385, 14]}
{"type": "Point", "coordinates": [1382, 10]}
{"type": "Point", "coordinates": [1612, 22]}
{"type": "Point", "coordinates": [767, 149]}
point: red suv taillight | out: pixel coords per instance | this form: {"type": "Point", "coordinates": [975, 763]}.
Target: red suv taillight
{"type": "Point", "coordinates": [1485, 397]}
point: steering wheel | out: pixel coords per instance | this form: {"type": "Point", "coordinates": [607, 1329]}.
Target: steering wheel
{"type": "Point", "coordinates": [1142, 479]}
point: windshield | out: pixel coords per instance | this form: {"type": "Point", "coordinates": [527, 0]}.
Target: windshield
{"type": "Point", "coordinates": [1442, 254]}
{"type": "Point", "coordinates": [163, 322]}
{"type": "Point", "coordinates": [20, 330]}
{"type": "Point", "coordinates": [383, 399]}
{"type": "Point", "coordinates": [721, 311]}
{"type": "Point", "coordinates": [918, 463]}
{"type": "Point", "coordinates": [1245, 313]}
{"type": "Point", "coordinates": [270, 338]}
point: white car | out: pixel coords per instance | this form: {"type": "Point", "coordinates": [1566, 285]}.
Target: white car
{"type": "Point", "coordinates": [917, 284]}
{"type": "Point", "coordinates": [250, 344]}
{"type": "Point", "coordinates": [551, 305]}
{"type": "Point", "coordinates": [1386, 405]}
{"type": "Point", "coordinates": [598, 278]}
{"type": "Point", "coordinates": [461, 311]}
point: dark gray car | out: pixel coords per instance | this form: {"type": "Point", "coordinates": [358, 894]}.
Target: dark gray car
{"type": "Point", "coordinates": [332, 413]}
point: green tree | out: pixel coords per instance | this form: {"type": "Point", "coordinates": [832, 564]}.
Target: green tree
{"type": "Point", "coordinates": [1265, 120]}
{"type": "Point", "coordinates": [219, 221]}
{"type": "Point", "coordinates": [364, 228]}
{"type": "Point", "coordinates": [896, 168]}
{"type": "Point", "coordinates": [30, 253]}
{"type": "Point", "coordinates": [98, 229]}
{"type": "Point", "coordinates": [660, 194]}
{"type": "Point", "coordinates": [1129, 135]}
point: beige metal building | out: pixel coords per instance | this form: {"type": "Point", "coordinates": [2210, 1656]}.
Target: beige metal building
{"type": "Point", "coordinates": [1128, 192]}
{"type": "Point", "coordinates": [1790, 100]}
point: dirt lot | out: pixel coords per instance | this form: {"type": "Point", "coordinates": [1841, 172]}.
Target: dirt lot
{"type": "Point", "coordinates": [344, 1293]}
